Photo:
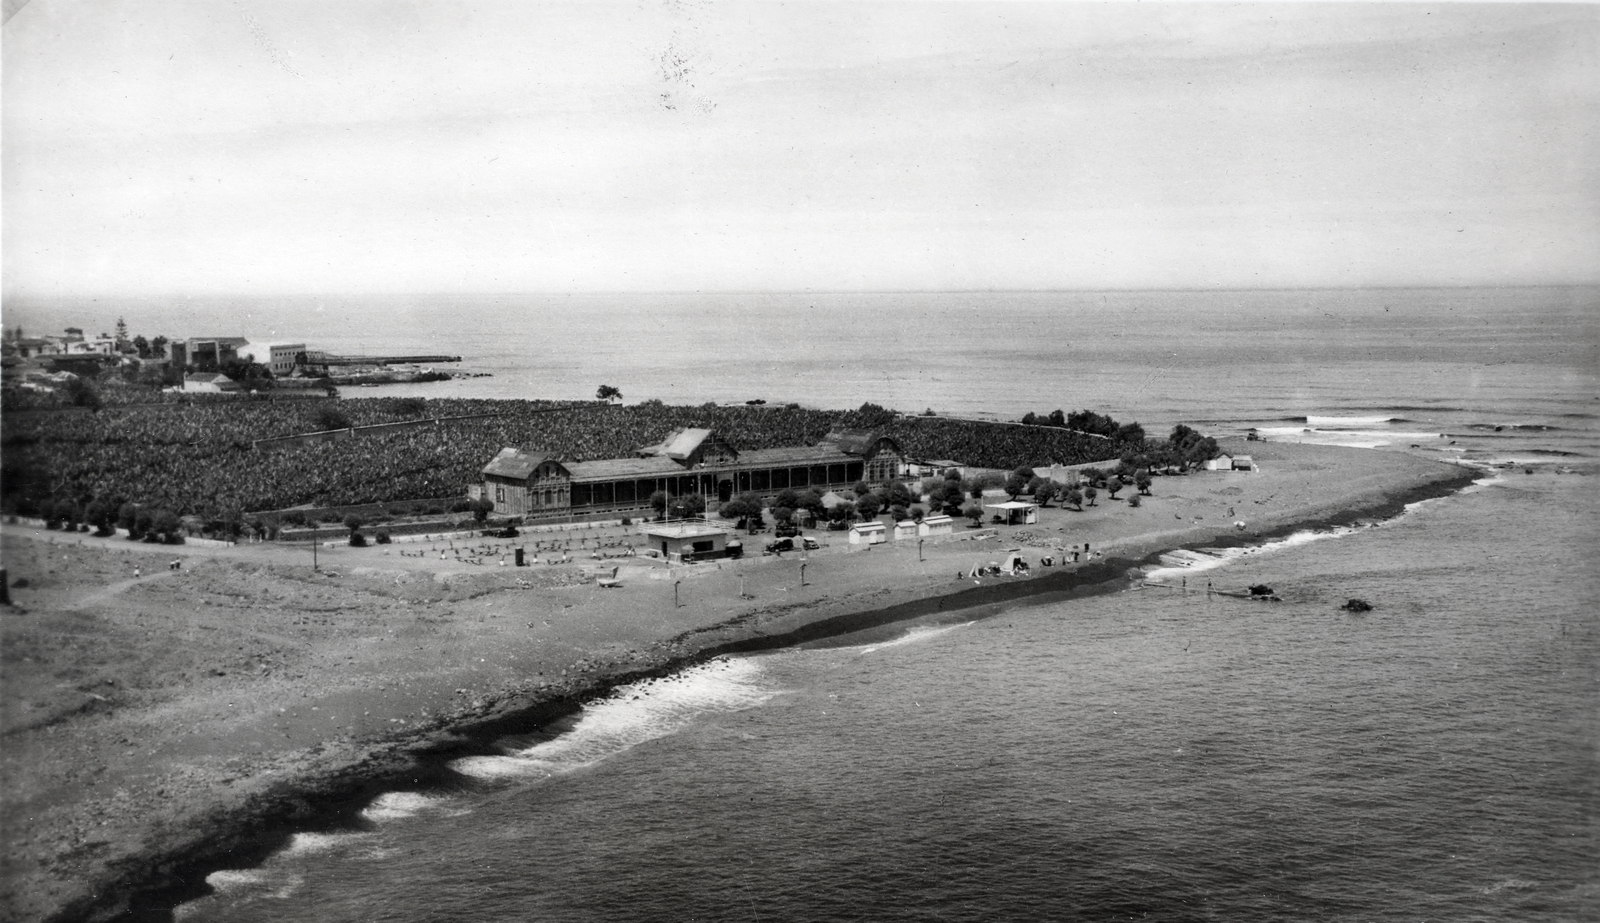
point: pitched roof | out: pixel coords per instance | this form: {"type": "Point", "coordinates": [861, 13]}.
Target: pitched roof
{"type": "Point", "coordinates": [515, 464]}
{"type": "Point", "coordinates": [607, 469]}
{"type": "Point", "coordinates": [791, 455]}
{"type": "Point", "coordinates": [857, 441]}
{"type": "Point", "coordinates": [679, 444]}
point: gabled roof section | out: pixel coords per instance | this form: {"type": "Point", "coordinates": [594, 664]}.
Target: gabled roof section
{"type": "Point", "coordinates": [515, 464]}
{"type": "Point", "coordinates": [857, 441]}
{"type": "Point", "coordinates": [679, 444]}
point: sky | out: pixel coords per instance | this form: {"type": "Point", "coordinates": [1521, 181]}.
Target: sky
{"type": "Point", "coordinates": [287, 147]}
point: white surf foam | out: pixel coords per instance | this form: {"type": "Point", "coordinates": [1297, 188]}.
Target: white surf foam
{"type": "Point", "coordinates": [1314, 420]}
{"type": "Point", "coordinates": [632, 715]}
{"type": "Point", "coordinates": [914, 636]}
{"type": "Point", "coordinates": [397, 805]}
{"type": "Point", "coordinates": [1180, 564]}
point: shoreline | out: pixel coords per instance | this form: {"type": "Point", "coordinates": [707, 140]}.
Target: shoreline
{"type": "Point", "coordinates": [328, 794]}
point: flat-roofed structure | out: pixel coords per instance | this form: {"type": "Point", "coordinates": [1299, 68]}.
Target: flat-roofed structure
{"type": "Point", "coordinates": [1016, 512]}
{"type": "Point", "coordinates": [936, 525]}
{"type": "Point", "coordinates": [688, 461]}
{"type": "Point", "coordinates": [688, 540]}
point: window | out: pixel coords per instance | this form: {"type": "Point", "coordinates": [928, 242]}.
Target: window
{"type": "Point", "coordinates": [499, 495]}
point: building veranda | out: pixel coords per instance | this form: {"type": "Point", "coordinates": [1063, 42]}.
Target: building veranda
{"type": "Point", "coordinates": [530, 483]}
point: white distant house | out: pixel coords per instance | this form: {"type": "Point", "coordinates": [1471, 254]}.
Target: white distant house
{"type": "Point", "coordinates": [905, 528]}
{"type": "Point", "coordinates": [209, 383]}
{"type": "Point", "coordinates": [871, 532]}
{"type": "Point", "coordinates": [279, 356]}
{"type": "Point", "coordinates": [1226, 462]}
{"type": "Point", "coordinates": [936, 525]}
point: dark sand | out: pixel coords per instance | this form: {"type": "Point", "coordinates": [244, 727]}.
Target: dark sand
{"type": "Point", "coordinates": [162, 726]}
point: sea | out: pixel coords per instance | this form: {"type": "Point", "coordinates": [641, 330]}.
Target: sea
{"type": "Point", "coordinates": [1140, 755]}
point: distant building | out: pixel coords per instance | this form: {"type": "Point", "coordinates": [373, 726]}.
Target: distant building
{"type": "Point", "coordinates": [1223, 462]}
{"type": "Point", "coordinates": [209, 352]}
{"type": "Point", "coordinates": [936, 525]}
{"type": "Point", "coordinates": [279, 356]}
{"type": "Point", "coordinates": [688, 461]}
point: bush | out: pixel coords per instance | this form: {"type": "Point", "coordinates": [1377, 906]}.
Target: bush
{"type": "Point", "coordinates": [382, 537]}
{"type": "Point", "coordinates": [627, 520]}
{"type": "Point", "coordinates": [973, 512]}
{"type": "Point", "coordinates": [357, 540]}
{"type": "Point", "coordinates": [1133, 500]}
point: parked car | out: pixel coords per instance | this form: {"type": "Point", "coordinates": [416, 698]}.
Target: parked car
{"type": "Point", "coordinates": [780, 545]}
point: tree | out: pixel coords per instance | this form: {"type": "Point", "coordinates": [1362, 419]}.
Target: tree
{"type": "Point", "coordinates": [158, 347]}
{"type": "Point", "coordinates": [481, 508]}
{"type": "Point", "coordinates": [844, 512]}
{"type": "Point", "coordinates": [688, 506]}
{"type": "Point", "coordinates": [330, 417]}
{"type": "Point", "coordinates": [142, 347]}
{"type": "Point", "coordinates": [1075, 497]}
{"type": "Point", "coordinates": [1090, 492]}
{"type": "Point", "coordinates": [658, 502]}
{"type": "Point", "coordinates": [122, 331]}
{"type": "Point", "coordinates": [869, 505]}
{"type": "Point", "coordinates": [1015, 484]}
{"type": "Point", "coordinates": [354, 522]}
{"type": "Point", "coordinates": [608, 393]}
{"type": "Point", "coordinates": [898, 494]}
{"type": "Point", "coordinates": [1133, 500]}
{"type": "Point", "coordinates": [861, 489]}
{"type": "Point", "coordinates": [973, 512]}
{"type": "Point", "coordinates": [1045, 493]}
{"type": "Point", "coordinates": [786, 497]}
{"type": "Point", "coordinates": [1141, 480]}
{"type": "Point", "coordinates": [82, 394]}
{"type": "Point", "coordinates": [1030, 418]}
{"type": "Point", "coordinates": [1114, 485]}
{"type": "Point", "coordinates": [1057, 418]}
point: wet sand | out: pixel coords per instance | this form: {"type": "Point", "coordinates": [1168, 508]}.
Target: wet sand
{"type": "Point", "coordinates": [160, 726]}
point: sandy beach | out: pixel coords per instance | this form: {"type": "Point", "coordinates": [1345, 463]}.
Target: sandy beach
{"type": "Point", "coordinates": [160, 723]}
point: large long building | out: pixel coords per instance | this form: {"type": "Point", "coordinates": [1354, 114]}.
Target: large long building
{"type": "Point", "coordinates": [688, 461]}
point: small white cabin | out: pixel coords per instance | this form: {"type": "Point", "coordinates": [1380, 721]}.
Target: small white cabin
{"type": "Point", "coordinates": [905, 528]}
{"type": "Point", "coordinates": [936, 525]}
{"type": "Point", "coordinates": [868, 533]}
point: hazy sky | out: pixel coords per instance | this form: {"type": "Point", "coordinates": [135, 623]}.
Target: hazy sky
{"type": "Point", "coordinates": [328, 146]}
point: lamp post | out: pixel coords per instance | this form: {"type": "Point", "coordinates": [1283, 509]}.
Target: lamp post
{"type": "Point", "coordinates": [675, 593]}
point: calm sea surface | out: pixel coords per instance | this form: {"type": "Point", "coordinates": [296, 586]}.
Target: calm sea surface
{"type": "Point", "coordinates": [1136, 756]}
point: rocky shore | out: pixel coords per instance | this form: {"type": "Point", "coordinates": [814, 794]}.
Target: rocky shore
{"type": "Point", "coordinates": [160, 723]}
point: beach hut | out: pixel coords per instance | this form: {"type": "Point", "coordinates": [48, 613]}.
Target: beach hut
{"type": "Point", "coordinates": [868, 533]}
{"type": "Point", "coordinates": [1222, 462]}
{"type": "Point", "coordinates": [1016, 512]}
{"type": "Point", "coordinates": [905, 528]}
{"type": "Point", "coordinates": [936, 525]}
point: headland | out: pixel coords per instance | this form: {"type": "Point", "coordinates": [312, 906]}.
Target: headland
{"type": "Point", "coordinates": [162, 722]}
